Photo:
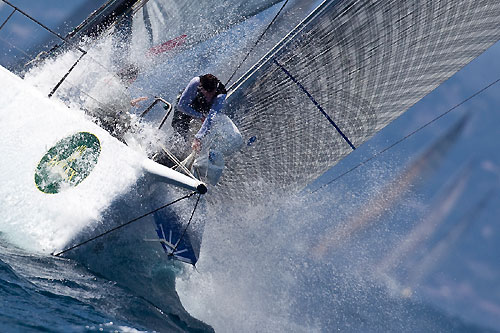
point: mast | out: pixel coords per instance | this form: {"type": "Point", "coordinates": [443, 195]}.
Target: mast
{"type": "Point", "coordinates": [103, 18]}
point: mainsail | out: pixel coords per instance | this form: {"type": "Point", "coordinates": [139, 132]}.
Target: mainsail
{"type": "Point", "coordinates": [343, 74]}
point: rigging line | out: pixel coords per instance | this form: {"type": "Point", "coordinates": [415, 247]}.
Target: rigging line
{"type": "Point", "coordinates": [177, 162]}
{"type": "Point", "coordinates": [102, 105]}
{"type": "Point", "coordinates": [8, 18]}
{"type": "Point", "coordinates": [141, 3]}
{"type": "Point", "coordinates": [256, 42]}
{"type": "Point", "coordinates": [108, 70]}
{"type": "Point", "coordinates": [65, 76]}
{"type": "Point", "coordinates": [74, 47]}
{"type": "Point", "coordinates": [187, 225]}
{"type": "Point", "coordinates": [40, 23]}
{"type": "Point", "coordinates": [407, 136]}
{"type": "Point", "coordinates": [315, 103]}
{"type": "Point", "coordinates": [65, 40]}
{"type": "Point", "coordinates": [123, 225]}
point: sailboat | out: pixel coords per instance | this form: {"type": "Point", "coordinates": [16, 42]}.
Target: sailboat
{"type": "Point", "coordinates": [338, 76]}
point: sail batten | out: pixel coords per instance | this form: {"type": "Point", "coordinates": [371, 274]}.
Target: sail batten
{"type": "Point", "coordinates": [365, 62]}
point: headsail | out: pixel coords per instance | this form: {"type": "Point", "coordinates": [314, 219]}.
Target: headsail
{"type": "Point", "coordinates": [163, 21]}
{"type": "Point", "coordinates": [344, 73]}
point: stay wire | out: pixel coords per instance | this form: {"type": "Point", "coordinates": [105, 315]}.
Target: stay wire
{"type": "Point", "coordinates": [187, 225]}
{"type": "Point", "coordinates": [108, 32]}
{"type": "Point", "coordinates": [256, 42]}
{"type": "Point", "coordinates": [125, 224]}
{"type": "Point", "coordinates": [407, 136]}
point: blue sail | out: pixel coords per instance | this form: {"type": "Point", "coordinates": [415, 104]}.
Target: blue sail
{"type": "Point", "coordinates": [175, 240]}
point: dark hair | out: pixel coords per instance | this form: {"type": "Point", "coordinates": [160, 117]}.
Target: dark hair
{"type": "Point", "coordinates": [209, 82]}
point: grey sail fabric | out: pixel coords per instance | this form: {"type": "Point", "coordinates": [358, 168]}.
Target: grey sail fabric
{"type": "Point", "coordinates": [363, 63]}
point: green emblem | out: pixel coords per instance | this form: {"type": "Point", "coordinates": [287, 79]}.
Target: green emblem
{"type": "Point", "coordinates": [68, 163]}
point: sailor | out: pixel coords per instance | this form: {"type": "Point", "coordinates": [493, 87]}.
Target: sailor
{"type": "Point", "coordinates": [202, 99]}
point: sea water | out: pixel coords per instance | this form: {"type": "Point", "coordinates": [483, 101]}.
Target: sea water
{"type": "Point", "coordinates": [256, 274]}
{"type": "Point", "coordinates": [43, 293]}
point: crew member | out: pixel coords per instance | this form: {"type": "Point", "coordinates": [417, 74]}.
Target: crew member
{"type": "Point", "coordinates": [202, 99]}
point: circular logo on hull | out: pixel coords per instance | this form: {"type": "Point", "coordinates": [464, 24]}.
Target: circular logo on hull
{"type": "Point", "coordinates": [68, 163]}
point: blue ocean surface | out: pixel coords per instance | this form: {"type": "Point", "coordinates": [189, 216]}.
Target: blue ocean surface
{"type": "Point", "coordinates": [50, 294]}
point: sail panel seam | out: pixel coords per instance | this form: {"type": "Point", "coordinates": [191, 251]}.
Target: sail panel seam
{"type": "Point", "coordinates": [314, 102]}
